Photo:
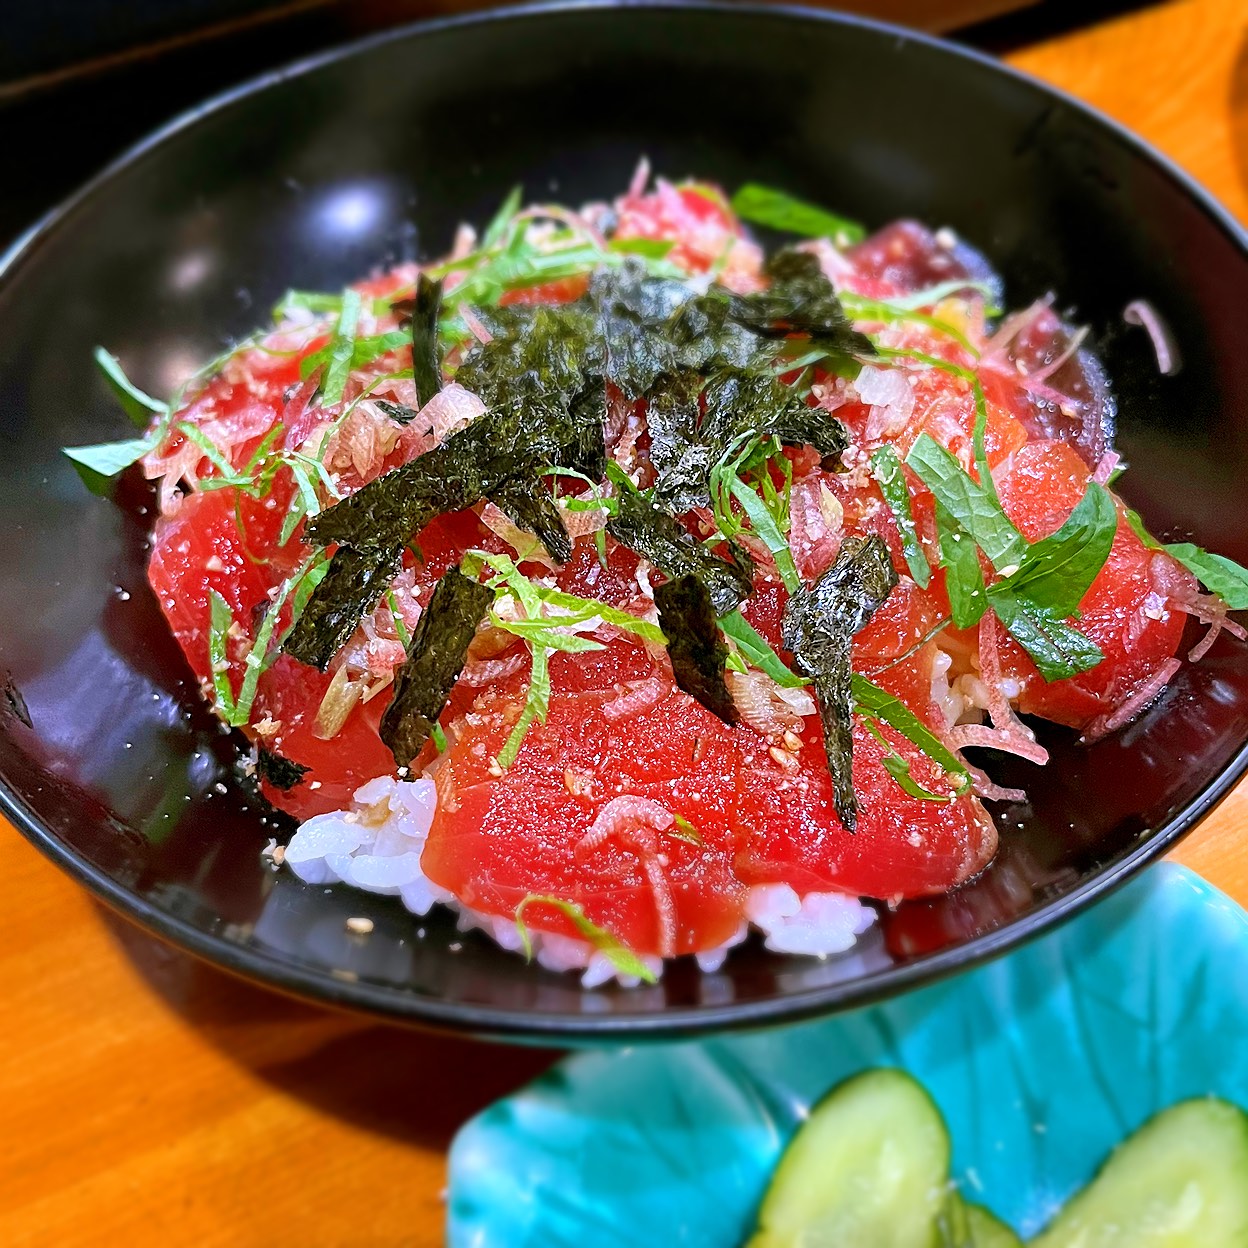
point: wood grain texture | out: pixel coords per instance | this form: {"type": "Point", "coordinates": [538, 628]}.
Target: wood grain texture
{"type": "Point", "coordinates": [149, 1100]}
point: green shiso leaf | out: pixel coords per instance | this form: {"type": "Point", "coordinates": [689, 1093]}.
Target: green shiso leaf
{"type": "Point", "coordinates": [320, 302]}
{"type": "Point", "coordinates": [220, 620]}
{"type": "Point", "coordinates": [647, 248]}
{"type": "Point", "coordinates": [666, 543]}
{"type": "Point", "coordinates": [363, 351]}
{"type": "Point", "coordinates": [762, 522]}
{"type": "Point", "coordinates": [140, 407]}
{"type": "Point", "coordinates": [304, 581]}
{"type": "Point", "coordinates": [434, 661]}
{"type": "Point", "coordinates": [964, 578]}
{"type": "Point", "coordinates": [967, 502]}
{"type": "Point", "coordinates": [1041, 584]}
{"type": "Point", "coordinates": [755, 650]}
{"type": "Point", "coordinates": [1136, 521]}
{"type": "Point", "coordinates": [683, 830]}
{"type": "Point", "coordinates": [872, 702]}
{"type": "Point", "coordinates": [536, 705]}
{"type": "Point", "coordinates": [99, 465]}
{"type": "Point", "coordinates": [1056, 648]}
{"type": "Point", "coordinates": [543, 632]}
{"type": "Point", "coordinates": [281, 772]}
{"type": "Point", "coordinates": [426, 358]}
{"type": "Point", "coordinates": [819, 625]}
{"type": "Point", "coordinates": [400, 625]}
{"type": "Point", "coordinates": [694, 644]}
{"type": "Point", "coordinates": [617, 953]}
{"type": "Point", "coordinates": [891, 478]}
{"type": "Point", "coordinates": [570, 609]}
{"type": "Point", "coordinates": [341, 350]}
{"type": "Point", "coordinates": [862, 309]}
{"type": "Point", "coordinates": [236, 710]}
{"type": "Point", "coordinates": [764, 205]}
{"type": "Point", "coordinates": [932, 295]}
{"type": "Point", "coordinates": [1218, 574]}
{"type": "Point", "coordinates": [899, 768]}
{"type": "Point", "coordinates": [1057, 571]}
{"type": "Point", "coordinates": [502, 218]}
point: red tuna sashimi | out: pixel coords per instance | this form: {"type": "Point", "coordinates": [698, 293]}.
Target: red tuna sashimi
{"type": "Point", "coordinates": [904, 846]}
{"type": "Point", "coordinates": [1126, 612]}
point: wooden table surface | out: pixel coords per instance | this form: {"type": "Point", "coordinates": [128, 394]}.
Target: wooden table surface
{"type": "Point", "coordinates": [147, 1099]}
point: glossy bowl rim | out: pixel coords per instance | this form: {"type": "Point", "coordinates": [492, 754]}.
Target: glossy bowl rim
{"type": "Point", "coordinates": [486, 1021]}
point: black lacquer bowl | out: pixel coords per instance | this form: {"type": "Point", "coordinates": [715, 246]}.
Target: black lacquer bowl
{"type": "Point", "coordinates": [313, 176]}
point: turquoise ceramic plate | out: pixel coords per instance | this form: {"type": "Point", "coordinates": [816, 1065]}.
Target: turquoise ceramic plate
{"type": "Point", "coordinates": [1041, 1062]}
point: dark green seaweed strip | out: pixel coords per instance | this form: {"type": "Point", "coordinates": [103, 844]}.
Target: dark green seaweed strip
{"type": "Point", "coordinates": [434, 661]}
{"type": "Point", "coordinates": [334, 610]}
{"type": "Point", "coordinates": [800, 300]}
{"type": "Point", "coordinates": [664, 541]}
{"type": "Point", "coordinates": [738, 403]}
{"type": "Point", "coordinates": [694, 644]}
{"type": "Point", "coordinates": [400, 413]}
{"type": "Point", "coordinates": [426, 360]}
{"type": "Point", "coordinates": [282, 773]}
{"type": "Point", "coordinates": [530, 504]}
{"type": "Point", "coordinates": [633, 314]}
{"type": "Point", "coordinates": [819, 627]}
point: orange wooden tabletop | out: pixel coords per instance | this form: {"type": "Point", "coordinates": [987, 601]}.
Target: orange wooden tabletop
{"type": "Point", "coordinates": [147, 1099]}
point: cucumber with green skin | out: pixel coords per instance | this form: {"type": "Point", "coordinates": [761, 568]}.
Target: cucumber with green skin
{"type": "Point", "coordinates": [868, 1169]}
{"type": "Point", "coordinates": [1181, 1181]}
{"type": "Point", "coordinates": [972, 1226]}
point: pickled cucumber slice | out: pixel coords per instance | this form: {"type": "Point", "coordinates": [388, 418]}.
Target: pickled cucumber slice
{"type": "Point", "coordinates": [972, 1226]}
{"type": "Point", "coordinates": [1181, 1181]}
{"type": "Point", "coordinates": [868, 1169]}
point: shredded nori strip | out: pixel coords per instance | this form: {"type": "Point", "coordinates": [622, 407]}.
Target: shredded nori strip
{"type": "Point", "coordinates": [694, 644]}
{"type": "Point", "coordinates": [549, 415]}
{"type": "Point", "coordinates": [400, 413]}
{"type": "Point", "coordinates": [535, 352]}
{"type": "Point", "coordinates": [738, 403]}
{"type": "Point", "coordinates": [819, 626]}
{"type": "Point", "coordinates": [666, 543]}
{"type": "Point", "coordinates": [353, 582]}
{"type": "Point", "coordinates": [282, 773]}
{"type": "Point", "coordinates": [686, 445]}
{"type": "Point", "coordinates": [800, 300]}
{"type": "Point", "coordinates": [434, 661]}
{"type": "Point", "coordinates": [426, 359]}
{"type": "Point", "coordinates": [542, 377]}
{"type": "Point", "coordinates": [634, 313]}
{"type": "Point", "coordinates": [530, 505]}
{"type": "Point", "coordinates": [682, 461]}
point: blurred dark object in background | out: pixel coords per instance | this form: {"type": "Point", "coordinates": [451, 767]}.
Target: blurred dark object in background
{"type": "Point", "coordinates": [51, 38]}
{"type": "Point", "coordinates": [81, 80]}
